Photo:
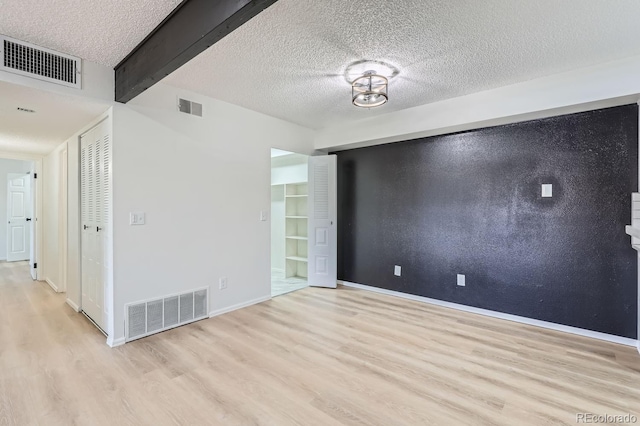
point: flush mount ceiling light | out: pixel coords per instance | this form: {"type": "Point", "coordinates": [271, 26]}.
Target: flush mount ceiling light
{"type": "Point", "coordinates": [370, 90]}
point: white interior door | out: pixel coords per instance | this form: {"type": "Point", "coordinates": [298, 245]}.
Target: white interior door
{"type": "Point", "coordinates": [95, 202]}
{"type": "Point", "coordinates": [18, 217]}
{"type": "Point", "coordinates": [322, 231]}
{"type": "Point", "coordinates": [32, 227]}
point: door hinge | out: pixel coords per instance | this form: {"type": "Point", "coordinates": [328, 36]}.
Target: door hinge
{"type": "Point", "coordinates": [35, 266]}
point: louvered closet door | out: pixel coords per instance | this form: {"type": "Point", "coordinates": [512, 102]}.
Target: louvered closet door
{"type": "Point", "coordinates": [95, 195]}
{"type": "Point", "coordinates": [322, 234]}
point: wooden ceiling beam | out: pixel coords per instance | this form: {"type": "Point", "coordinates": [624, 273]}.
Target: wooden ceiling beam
{"type": "Point", "coordinates": [191, 28]}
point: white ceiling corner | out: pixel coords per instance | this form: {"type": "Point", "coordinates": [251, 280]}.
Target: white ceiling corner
{"type": "Point", "coordinates": [56, 118]}
{"type": "Point", "coordinates": [288, 61]}
{"type": "Point", "coordinates": [97, 30]}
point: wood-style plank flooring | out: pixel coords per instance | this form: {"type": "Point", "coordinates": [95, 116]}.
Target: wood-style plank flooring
{"type": "Point", "coordinates": [313, 357]}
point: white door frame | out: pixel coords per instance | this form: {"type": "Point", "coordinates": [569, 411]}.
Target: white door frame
{"type": "Point", "coordinates": [330, 281]}
{"type": "Point", "coordinates": [38, 218]}
{"type": "Point", "coordinates": [33, 271]}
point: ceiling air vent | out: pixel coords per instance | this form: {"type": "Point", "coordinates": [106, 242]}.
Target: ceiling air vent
{"type": "Point", "coordinates": [37, 62]}
{"type": "Point", "coordinates": [189, 107]}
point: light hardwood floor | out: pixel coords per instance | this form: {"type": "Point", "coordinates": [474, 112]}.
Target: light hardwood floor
{"type": "Point", "coordinates": [313, 357]}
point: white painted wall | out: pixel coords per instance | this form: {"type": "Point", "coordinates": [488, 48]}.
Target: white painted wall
{"type": "Point", "coordinates": [6, 167]}
{"type": "Point", "coordinates": [52, 196]}
{"type": "Point", "coordinates": [292, 173]}
{"type": "Point", "coordinates": [600, 86]}
{"type": "Point", "coordinates": [202, 183]}
{"type": "Point", "coordinates": [74, 291]}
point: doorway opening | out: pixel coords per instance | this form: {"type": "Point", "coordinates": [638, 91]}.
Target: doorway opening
{"type": "Point", "coordinates": [289, 221]}
{"type": "Point", "coordinates": [18, 196]}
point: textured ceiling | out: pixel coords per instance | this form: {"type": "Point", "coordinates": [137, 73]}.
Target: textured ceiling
{"type": "Point", "coordinates": [57, 117]}
{"type": "Point", "coordinates": [102, 31]}
{"type": "Point", "coordinates": [289, 61]}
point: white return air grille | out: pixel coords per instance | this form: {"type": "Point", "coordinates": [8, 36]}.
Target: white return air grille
{"type": "Point", "coordinates": [145, 318]}
{"type": "Point", "coordinates": [189, 107]}
{"type": "Point", "coordinates": [37, 62]}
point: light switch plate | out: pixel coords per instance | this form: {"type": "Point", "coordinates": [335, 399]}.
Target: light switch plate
{"type": "Point", "coordinates": [264, 215]}
{"type": "Point", "coordinates": [136, 218]}
{"type": "Point", "coordinates": [547, 190]}
{"type": "Point", "coordinates": [461, 280]}
{"type": "Point", "coordinates": [397, 271]}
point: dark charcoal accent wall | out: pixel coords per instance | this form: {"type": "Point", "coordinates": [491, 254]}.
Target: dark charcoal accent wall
{"type": "Point", "coordinates": [471, 203]}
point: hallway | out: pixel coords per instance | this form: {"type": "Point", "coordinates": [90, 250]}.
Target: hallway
{"type": "Point", "coordinates": [43, 344]}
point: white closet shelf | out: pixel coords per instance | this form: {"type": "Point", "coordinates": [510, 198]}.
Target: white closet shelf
{"type": "Point", "coordinates": [295, 210]}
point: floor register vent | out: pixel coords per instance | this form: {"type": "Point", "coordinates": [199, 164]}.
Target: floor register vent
{"type": "Point", "coordinates": [146, 318]}
{"type": "Point", "coordinates": [38, 62]}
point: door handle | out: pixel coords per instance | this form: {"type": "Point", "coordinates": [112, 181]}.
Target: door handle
{"type": "Point", "coordinates": [85, 227]}
{"type": "Point", "coordinates": [98, 229]}
{"type": "Point", "coordinates": [28, 219]}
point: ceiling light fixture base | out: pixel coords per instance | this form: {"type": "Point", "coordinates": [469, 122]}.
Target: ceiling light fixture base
{"type": "Point", "coordinates": [359, 68]}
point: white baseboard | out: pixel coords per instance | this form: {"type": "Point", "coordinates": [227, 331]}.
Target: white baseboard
{"type": "Point", "coordinates": [52, 285]}
{"type": "Point", "coordinates": [73, 305]}
{"type": "Point", "coordinates": [523, 320]}
{"type": "Point", "coordinates": [115, 342]}
{"type": "Point", "coordinates": [239, 306]}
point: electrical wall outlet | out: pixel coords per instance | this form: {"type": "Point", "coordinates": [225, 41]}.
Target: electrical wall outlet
{"type": "Point", "coordinates": [397, 271]}
{"type": "Point", "coordinates": [224, 282]}
{"type": "Point", "coordinates": [461, 280]}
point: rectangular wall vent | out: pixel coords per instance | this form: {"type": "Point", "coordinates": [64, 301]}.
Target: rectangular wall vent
{"type": "Point", "coordinates": [146, 318]}
{"type": "Point", "coordinates": [189, 107]}
{"type": "Point", "coordinates": [38, 62]}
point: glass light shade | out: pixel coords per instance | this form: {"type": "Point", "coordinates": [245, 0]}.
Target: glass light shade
{"type": "Point", "coordinates": [369, 91]}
